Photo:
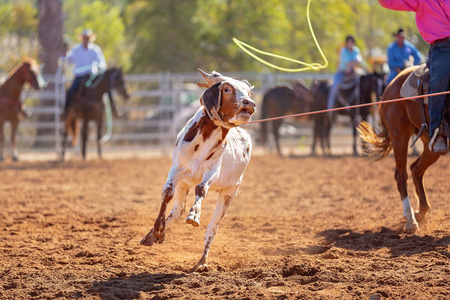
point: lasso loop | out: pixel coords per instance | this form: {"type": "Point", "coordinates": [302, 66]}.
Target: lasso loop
{"type": "Point", "coordinates": [308, 66]}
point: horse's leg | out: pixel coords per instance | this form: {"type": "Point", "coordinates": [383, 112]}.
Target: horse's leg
{"type": "Point", "coordinates": [400, 141]}
{"type": "Point", "coordinates": [327, 129]}
{"type": "Point", "coordinates": [99, 137]}
{"type": "Point", "coordinates": [64, 140]}
{"type": "Point", "coordinates": [226, 196]}
{"type": "Point", "coordinates": [15, 153]}
{"type": "Point", "coordinates": [355, 133]}
{"type": "Point", "coordinates": [315, 136]}
{"type": "Point", "coordinates": [276, 134]}
{"type": "Point", "coordinates": [418, 169]}
{"type": "Point", "coordinates": [84, 137]}
{"type": "Point", "coordinates": [400, 146]}
{"type": "Point", "coordinates": [2, 140]}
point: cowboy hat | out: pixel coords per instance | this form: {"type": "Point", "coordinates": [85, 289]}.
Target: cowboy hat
{"type": "Point", "coordinates": [88, 33]}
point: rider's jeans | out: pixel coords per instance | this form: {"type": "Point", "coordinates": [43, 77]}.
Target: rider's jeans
{"type": "Point", "coordinates": [439, 57]}
{"type": "Point", "coordinates": [337, 80]}
{"type": "Point", "coordinates": [73, 89]}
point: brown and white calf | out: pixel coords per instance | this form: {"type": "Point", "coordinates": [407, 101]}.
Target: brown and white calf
{"type": "Point", "coordinates": [211, 152]}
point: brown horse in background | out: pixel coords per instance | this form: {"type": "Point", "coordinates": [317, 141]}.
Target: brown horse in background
{"type": "Point", "coordinates": [280, 101]}
{"type": "Point", "coordinates": [88, 106]}
{"type": "Point", "coordinates": [11, 107]}
{"type": "Point", "coordinates": [399, 121]}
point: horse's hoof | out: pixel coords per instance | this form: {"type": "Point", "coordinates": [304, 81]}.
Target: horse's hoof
{"type": "Point", "coordinates": [149, 239]}
{"type": "Point", "coordinates": [193, 219]}
{"type": "Point", "coordinates": [15, 158]}
{"type": "Point", "coordinates": [412, 228]}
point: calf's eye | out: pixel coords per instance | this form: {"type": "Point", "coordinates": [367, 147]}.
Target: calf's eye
{"type": "Point", "coordinates": [227, 90]}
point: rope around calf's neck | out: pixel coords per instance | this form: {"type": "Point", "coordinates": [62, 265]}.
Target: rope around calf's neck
{"type": "Point", "coordinates": [347, 107]}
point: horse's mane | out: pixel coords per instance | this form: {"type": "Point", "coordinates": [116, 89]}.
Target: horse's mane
{"type": "Point", "coordinates": [25, 60]}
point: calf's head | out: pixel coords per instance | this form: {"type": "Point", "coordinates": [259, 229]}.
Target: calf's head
{"type": "Point", "coordinates": [229, 102]}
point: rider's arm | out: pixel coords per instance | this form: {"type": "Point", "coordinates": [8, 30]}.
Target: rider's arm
{"type": "Point", "coordinates": [402, 5]}
{"type": "Point", "coordinates": [101, 62]}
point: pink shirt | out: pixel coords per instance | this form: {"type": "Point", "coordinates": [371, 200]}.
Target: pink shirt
{"type": "Point", "coordinates": [432, 16]}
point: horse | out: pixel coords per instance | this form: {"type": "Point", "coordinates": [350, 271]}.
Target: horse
{"type": "Point", "coordinates": [398, 121]}
{"type": "Point", "coordinates": [283, 100]}
{"type": "Point", "coordinates": [87, 105]}
{"type": "Point", "coordinates": [11, 107]}
{"type": "Point", "coordinates": [359, 91]}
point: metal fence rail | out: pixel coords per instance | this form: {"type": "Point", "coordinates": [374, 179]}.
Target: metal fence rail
{"type": "Point", "coordinates": [159, 106]}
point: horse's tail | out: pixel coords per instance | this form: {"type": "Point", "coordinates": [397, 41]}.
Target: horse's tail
{"type": "Point", "coordinates": [264, 125]}
{"type": "Point", "coordinates": [380, 142]}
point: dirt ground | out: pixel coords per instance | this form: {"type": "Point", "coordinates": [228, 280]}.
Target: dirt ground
{"type": "Point", "coordinates": [300, 228]}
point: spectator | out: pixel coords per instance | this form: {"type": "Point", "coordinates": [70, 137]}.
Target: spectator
{"type": "Point", "coordinates": [400, 53]}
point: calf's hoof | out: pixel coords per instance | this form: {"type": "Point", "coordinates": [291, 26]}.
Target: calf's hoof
{"type": "Point", "coordinates": [149, 239]}
{"type": "Point", "coordinates": [193, 219]}
{"type": "Point", "coordinates": [201, 266]}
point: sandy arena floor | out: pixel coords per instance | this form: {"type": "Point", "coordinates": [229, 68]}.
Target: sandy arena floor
{"type": "Point", "coordinates": [300, 228]}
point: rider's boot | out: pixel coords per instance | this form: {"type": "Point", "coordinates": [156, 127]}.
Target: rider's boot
{"type": "Point", "coordinates": [438, 143]}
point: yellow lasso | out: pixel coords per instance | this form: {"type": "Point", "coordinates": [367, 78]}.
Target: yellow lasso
{"type": "Point", "coordinates": [313, 66]}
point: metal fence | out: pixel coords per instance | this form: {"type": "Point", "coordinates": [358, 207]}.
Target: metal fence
{"type": "Point", "coordinates": [159, 106]}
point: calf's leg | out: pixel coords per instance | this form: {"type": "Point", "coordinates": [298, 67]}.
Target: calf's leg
{"type": "Point", "coordinates": [157, 233]}
{"type": "Point", "coordinates": [226, 196]}
{"type": "Point", "coordinates": [201, 190]}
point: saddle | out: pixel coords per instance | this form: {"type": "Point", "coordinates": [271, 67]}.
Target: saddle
{"type": "Point", "coordinates": [416, 83]}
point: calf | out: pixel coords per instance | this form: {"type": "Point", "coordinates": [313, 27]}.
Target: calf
{"type": "Point", "coordinates": [211, 152]}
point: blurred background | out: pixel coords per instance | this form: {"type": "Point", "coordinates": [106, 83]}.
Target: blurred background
{"type": "Point", "coordinates": [160, 43]}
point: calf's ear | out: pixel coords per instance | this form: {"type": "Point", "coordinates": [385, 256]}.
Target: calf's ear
{"type": "Point", "coordinates": [211, 97]}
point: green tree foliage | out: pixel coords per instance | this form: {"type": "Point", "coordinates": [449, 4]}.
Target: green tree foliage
{"type": "Point", "coordinates": [179, 36]}
{"type": "Point", "coordinates": [18, 32]}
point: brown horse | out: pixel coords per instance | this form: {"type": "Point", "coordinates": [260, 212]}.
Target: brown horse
{"type": "Point", "coordinates": [399, 121]}
{"type": "Point", "coordinates": [283, 100]}
{"type": "Point", "coordinates": [88, 106]}
{"type": "Point", "coordinates": [11, 107]}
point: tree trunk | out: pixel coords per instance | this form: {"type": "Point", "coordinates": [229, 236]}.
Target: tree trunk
{"type": "Point", "coordinates": [51, 42]}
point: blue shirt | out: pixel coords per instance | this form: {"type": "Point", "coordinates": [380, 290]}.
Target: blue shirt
{"type": "Point", "coordinates": [346, 56]}
{"type": "Point", "coordinates": [88, 60]}
{"type": "Point", "coordinates": [397, 56]}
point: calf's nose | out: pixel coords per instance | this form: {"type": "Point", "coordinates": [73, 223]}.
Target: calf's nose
{"type": "Point", "coordinates": [249, 102]}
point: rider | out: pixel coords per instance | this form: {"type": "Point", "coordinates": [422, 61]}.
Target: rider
{"type": "Point", "coordinates": [399, 54]}
{"type": "Point", "coordinates": [87, 59]}
{"type": "Point", "coordinates": [349, 58]}
{"type": "Point", "coordinates": [434, 26]}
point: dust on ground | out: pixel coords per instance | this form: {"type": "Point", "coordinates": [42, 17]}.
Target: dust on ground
{"type": "Point", "coordinates": [300, 228]}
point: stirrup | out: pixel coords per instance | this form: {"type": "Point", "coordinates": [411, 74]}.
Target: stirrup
{"type": "Point", "coordinates": [423, 126]}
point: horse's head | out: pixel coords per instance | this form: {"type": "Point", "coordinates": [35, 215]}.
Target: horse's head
{"type": "Point", "coordinates": [118, 82]}
{"type": "Point", "coordinates": [30, 72]}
